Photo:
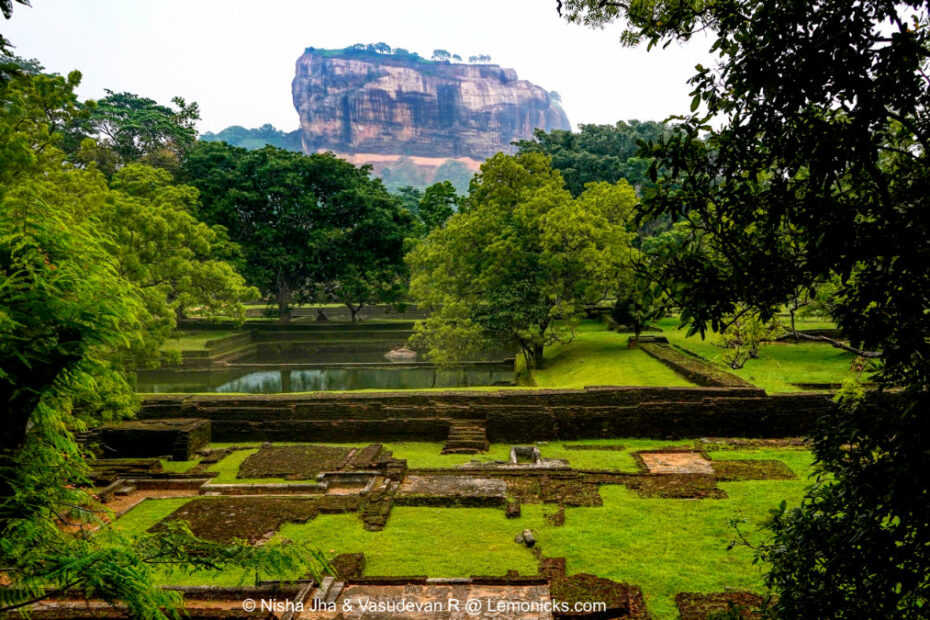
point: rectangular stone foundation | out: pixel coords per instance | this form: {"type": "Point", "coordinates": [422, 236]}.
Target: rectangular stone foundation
{"type": "Point", "coordinates": [177, 438]}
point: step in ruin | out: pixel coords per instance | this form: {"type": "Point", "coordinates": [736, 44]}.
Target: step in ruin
{"type": "Point", "coordinates": [466, 437]}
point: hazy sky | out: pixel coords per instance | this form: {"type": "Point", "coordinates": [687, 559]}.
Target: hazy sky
{"type": "Point", "coordinates": [236, 57]}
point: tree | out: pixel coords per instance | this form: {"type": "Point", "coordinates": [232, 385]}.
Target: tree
{"type": "Point", "coordinates": [597, 152]}
{"type": "Point", "coordinates": [456, 173]}
{"type": "Point", "coordinates": [409, 197]}
{"type": "Point", "coordinates": [818, 169]}
{"type": "Point", "coordinates": [515, 266]}
{"type": "Point", "coordinates": [441, 56]}
{"type": "Point", "coordinates": [745, 332]}
{"type": "Point", "coordinates": [438, 204]}
{"type": "Point", "coordinates": [271, 207]}
{"type": "Point", "coordinates": [456, 58]}
{"type": "Point", "coordinates": [256, 138]}
{"type": "Point", "coordinates": [300, 220]}
{"type": "Point", "coordinates": [67, 319]}
{"type": "Point", "coordinates": [367, 259]}
{"type": "Point", "coordinates": [8, 69]}
{"type": "Point", "coordinates": [179, 261]}
{"type": "Point", "coordinates": [636, 307]}
{"type": "Point", "coordinates": [138, 129]}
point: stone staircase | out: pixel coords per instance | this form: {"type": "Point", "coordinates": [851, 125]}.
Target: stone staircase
{"type": "Point", "coordinates": [466, 437]}
{"type": "Point", "coordinates": [328, 591]}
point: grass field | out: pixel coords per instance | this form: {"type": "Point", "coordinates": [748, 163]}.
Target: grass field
{"type": "Point", "coordinates": [599, 357]}
{"type": "Point", "coordinates": [779, 364]}
{"type": "Point", "coordinates": [195, 340]}
{"type": "Point", "coordinates": [665, 546]}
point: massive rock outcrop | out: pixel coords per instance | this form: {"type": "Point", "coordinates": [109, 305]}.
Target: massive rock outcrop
{"type": "Point", "coordinates": [358, 102]}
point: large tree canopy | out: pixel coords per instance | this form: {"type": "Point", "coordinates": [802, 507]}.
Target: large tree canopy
{"type": "Point", "coordinates": [306, 224]}
{"type": "Point", "coordinates": [597, 152]}
{"type": "Point", "coordinates": [520, 255]}
{"type": "Point", "coordinates": [818, 172]}
{"type": "Point", "coordinates": [129, 128]}
{"type": "Point", "coordinates": [77, 298]}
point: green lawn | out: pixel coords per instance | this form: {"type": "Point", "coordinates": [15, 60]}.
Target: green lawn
{"type": "Point", "coordinates": [448, 542]}
{"type": "Point", "coordinates": [600, 357]}
{"type": "Point", "coordinates": [779, 364]}
{"type": "Point", "coordinates": [194, 340]}
{"type": "Point", "coordinates": [668, 546]}
{"type": "Point", "coordinates": [614, 460]}
{"type": "Point", "coordinates": [147, 513]}
{"type": "Point", "coordinates": [228, 468]}
{"type": "Point", "coordinates": [428, 455]}
{"type": "Point", "coordinates": [178, 467]}
{"type": "Point", "coordinates": [665, 546]}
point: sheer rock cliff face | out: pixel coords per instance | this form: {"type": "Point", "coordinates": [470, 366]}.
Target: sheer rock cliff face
{"type": "Point", "coordinates": [385, 104]}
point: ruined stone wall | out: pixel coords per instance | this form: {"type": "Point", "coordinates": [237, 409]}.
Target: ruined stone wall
{"type": "Point", "coordinates": [509, 415]}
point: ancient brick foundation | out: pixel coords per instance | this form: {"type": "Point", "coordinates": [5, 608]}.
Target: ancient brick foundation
{"type": "Point", "coordinates": [508, 415]}
{"type": "Point", "coordinates": [178, 438]}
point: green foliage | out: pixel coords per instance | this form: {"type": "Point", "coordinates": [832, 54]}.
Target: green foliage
{"type": "Point", "coordinates": [130, 128]}
{"type": "Point", "coordinates": [409, 197]}
{"type": "Point", "coordinates": [403, 173]}
{"type": "Point", "coordinates": [439, 202]}
{"type": "Point", "coordinates": [454, 172]}
{"type": "Point", "coordinates": [76, 304]}
{"type": "Point", "coordinates": [745, 332]}
{"type": "Point", "coordinates": [177, 260]}
{"type": "Point", "coordinates": [636, 306]}
{"type": "Point", "coordinates": [597, 152]}
{"type": "Point", "coordinates": [818, 170]}
{"type": "Point", "coordinates": [519, 254]}
{"type": "Point", "coordinates": [36, 111]}
{"type": "Point", "coordinates": [306, 224]}
{"type": "Point", "coordinates": [266, 135]}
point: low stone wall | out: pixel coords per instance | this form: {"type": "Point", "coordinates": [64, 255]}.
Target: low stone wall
{"type": "Point", "coordinates": [692, 368]}
{"type": "Point", "coordinates": [341, 313]}
{"type": "Point", "coordinates": [509, 415]}
{"type": "Point", "coordinates": [270, 341]}
{"type": "Point", "coordinates": [179, 439]}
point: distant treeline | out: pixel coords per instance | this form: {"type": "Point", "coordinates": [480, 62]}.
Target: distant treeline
{"type": "Point", "coordinates": [383, 49]}
{"type": "Point", "coordinates": [266, 135]}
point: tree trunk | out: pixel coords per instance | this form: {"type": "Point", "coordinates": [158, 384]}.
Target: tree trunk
{"type": "Point", "coordinates": [20, 392]}
{"type": "Point", "coordinates": [538, 356]}
{"type": "Point", "coordinates": [284, 310]}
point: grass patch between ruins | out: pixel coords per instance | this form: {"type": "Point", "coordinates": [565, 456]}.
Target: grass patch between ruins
{"type": "Point", "coordinates": [665, 546]}
{"type": "Point", "coordinates": [780, 364]}
{"type": "Point", "coordinates": [195, 340]}
{"type": "Point", "coordinates": [598, 357]}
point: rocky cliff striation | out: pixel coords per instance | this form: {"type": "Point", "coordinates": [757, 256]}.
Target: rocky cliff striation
{"type": "Point", "coordinates": [357, 102]}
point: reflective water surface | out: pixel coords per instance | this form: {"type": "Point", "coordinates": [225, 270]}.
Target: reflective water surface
{"type": "Point", "coordinates": [272, 381]}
